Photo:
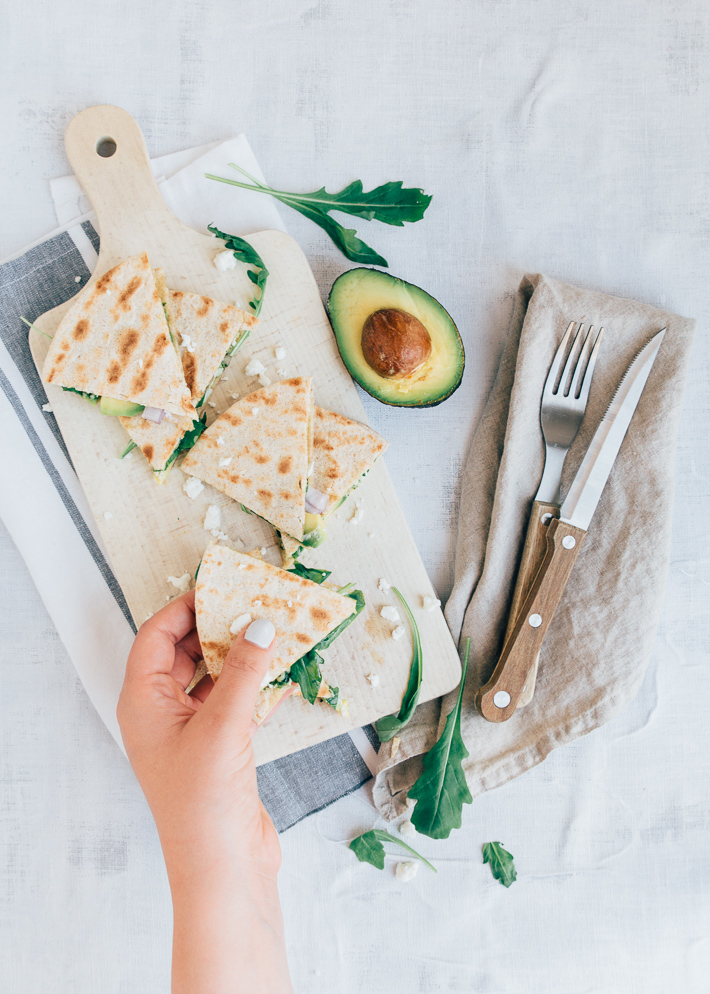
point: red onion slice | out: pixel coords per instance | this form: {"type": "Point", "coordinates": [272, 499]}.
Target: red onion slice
{"type": "Point", "coordinates": [154, 414]}
{"type": "Point", "coordinates": [316, 502]}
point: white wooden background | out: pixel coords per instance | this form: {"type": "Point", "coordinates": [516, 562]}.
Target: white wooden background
{"type": "Point", "coordinates": [570, 137]}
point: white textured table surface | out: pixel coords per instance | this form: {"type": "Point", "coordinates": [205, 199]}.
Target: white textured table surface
{"type": "Point", "coordinates": [566, 137]}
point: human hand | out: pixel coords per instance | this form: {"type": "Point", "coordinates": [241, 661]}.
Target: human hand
{"type": "Point", "coordinates": [193, 758]}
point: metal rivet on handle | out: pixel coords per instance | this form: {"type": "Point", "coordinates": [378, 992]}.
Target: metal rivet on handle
{"type": "Point", "coordinates": [569, 542]}
{"type": "Point", "coordinates": [501, 699]}
{"type": "Point", "coordinates": [546, 518]}
{"type": "Point", "coordinates": [534, 620]}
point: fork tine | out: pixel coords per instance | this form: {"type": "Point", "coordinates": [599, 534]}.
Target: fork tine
{"type": "Point", "coordinates": [556, 363]}
{"type": "Point", "coordinates": [570, 364]}
{"type": "Point", "coordinates": [581, 365]}
{"type": "Point", "coordinates": [586, 382]}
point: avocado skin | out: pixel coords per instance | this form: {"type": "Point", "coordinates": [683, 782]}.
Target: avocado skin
{"type": "Point", "coordinates": [360, 292]}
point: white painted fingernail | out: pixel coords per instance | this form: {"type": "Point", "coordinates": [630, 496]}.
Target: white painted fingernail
{"type": "Point", "coordinates": [260, 632]}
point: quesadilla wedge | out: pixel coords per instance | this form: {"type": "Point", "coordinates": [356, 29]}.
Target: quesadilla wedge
{"type": "Point", "coordinates": [258, 453]}
{"type": "Point", "coordinates": [234, 588]}
{"type": "Point", "coordinates": [344, 451]}
{"type": "Point", "coordinates": [114, 347]}
{"type": "Point", "coordinates": [207, 334]}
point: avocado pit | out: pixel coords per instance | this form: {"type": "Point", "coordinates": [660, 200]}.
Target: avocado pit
{"type": "Point", "coordinates": [395, 343]}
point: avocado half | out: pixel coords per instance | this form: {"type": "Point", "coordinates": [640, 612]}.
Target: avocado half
{"type": "Point", "coordinates": [401, 325]}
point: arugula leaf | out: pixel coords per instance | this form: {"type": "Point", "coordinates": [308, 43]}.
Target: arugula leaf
{"type": "Point", "coordinates": [501, 863]}
{"type": "Point", "coordinates": [334, 698]}
{"type": "Point", "coordinates": [390, 203]}
{"type": "Point", "coordinates": [315, 575]}
{"type": "Point", "coordinates": [441, 791]}
{"type": "Point", "coordinates": [39, 330]}
{"type": "Point", "coordinates": [245, 509]}
{"type": "Point", "coordinates": [91, 397]}
{"type": "Point", "coordinates": [359, 598]}
{"type": "Point", "coordinates": [306, 673]}
{"type": "Point", "coordinates": [391, 724]}
{"type": "Point", "coordinates": [186, 442]}
{"type": "Point", "coordinates": [129, 448]}
{"type": "Point", "coordinates": [247, 254]}
{"type": "Point", "coordinates": [369, 849]}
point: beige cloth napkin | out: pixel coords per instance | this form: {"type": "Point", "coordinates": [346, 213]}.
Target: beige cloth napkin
{"type": "Point", "coordinates": [597, 648]}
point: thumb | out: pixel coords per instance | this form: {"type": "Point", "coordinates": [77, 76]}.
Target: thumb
{"type": "Point", "coordinates": [243, 670]}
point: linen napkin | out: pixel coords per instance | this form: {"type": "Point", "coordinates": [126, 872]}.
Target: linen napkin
{"type": "Point", "coordinates": [42, 503]}
{"type": "Point", "coordinates": [599, 643]}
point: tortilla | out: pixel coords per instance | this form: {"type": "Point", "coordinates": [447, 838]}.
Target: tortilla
{"type": "Point", "coordinates": [263, 443]}
{"type": "Point", "coordinates": [115, 342]}
{"type": "Point", "coordinates": [231, 585]}
{"type": "Point", "coordinates": [205, 332]}
{"type": "Point", "coordinates": [343, 451]}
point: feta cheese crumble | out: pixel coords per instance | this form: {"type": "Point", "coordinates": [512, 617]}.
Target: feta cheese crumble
{"type": "Point", "coordinates": [289, 603]}
{"type": "Point", "coordinates": [254, 368]}
{"type": "Point", "coordinates": [213, 518]}
{"type": "Point", "coordinates": [279, 352]}
{"type": "Point", "coordinates": [280, 372]}
{"type": "Point", "coordinates": [390, 613]}
{"type": "Point", "coordinates": [77, 279]}
{"type": "Point", "coordinates": [406, 871]}
{"type": "Point", "coordinates": [398, 632]}
{"type": "Point", "coordinates": [181, 583]}
{"type": "Point", "coordinates": [224, 462]}
{"type": "Point", "coordinates": [255, 410]}
{"type": "Point", "coordinates": [187, 343]}
{"type": "Point", "coordinates": [356, 516]}
{"type": "Point", "coordinates": [48, 408]}
{"type": "Point", "coordinates": [239, 623]}
{"type": "Point", "coordinates": [373, 679]}
{"type": "Point", "coordinates": [264, 380]}
{"type": "Point", "coordinates": [382, 584]}
{"type": "Point", "coordinates": [406, 828]}
{"type": "Point", "coordinates": [220, 440]}
{"type": "Point", "coordinates": [211, 403]}
{"type": "Point", "coordinates": [225, 260]}
{"type": "Point", "coordinates": [430, 603]}
{"type": "Point", "coordinates": [192, 487]}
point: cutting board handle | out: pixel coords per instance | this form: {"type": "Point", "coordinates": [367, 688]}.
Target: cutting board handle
{"type": "Point", "coordinates": [109, 157]}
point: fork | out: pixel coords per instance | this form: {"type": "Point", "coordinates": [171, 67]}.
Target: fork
{"type": "Point", "coordinates": [564, 401]}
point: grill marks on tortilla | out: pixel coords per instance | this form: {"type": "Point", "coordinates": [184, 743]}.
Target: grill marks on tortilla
{"type": "Point", "coordinates": [113, 341]}
{"type": "Point", "coordinates": [230, 582]}
{"type": "Point", "coordinates": [268, 449]}
{"type": "Point", "coordinates": [211, 326]}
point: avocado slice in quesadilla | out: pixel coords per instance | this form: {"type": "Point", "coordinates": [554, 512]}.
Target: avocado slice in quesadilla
{"type": "Point", "coordinates": [344, 451]}
{"type": "Point", "coordinates": [234, 588]}
{"type": "Point", "coordinates": [206, 333]}
{"type": "Point", "coordinates": [258, 453]}
{"type": "Point", "coordinates": [114, 344]}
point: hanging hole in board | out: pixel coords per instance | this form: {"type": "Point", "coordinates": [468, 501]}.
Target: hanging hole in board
{"type": "Point", "coordinates": [105, 147]}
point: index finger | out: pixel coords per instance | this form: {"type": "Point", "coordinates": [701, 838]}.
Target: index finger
{"type": "Point", "coordinates": [153, 650]}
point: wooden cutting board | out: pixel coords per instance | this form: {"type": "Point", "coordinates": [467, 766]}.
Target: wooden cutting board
{"type": "Point", "coordinates": [151, 532]}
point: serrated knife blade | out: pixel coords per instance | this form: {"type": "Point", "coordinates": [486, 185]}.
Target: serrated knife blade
{"type": "Point", "coordinates": [581, 501]}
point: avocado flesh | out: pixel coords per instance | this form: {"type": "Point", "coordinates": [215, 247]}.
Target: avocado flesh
{"type": "Point", "coordinates": [356, 295]}
{"type": "Point", "coordinates": [313, 530]}
{"type": "Point", "coordinates": [120, 408]}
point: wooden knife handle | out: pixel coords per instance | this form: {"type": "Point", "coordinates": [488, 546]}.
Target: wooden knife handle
{"type": "Point", "coordinates": [533, 555]}
{"type": "Point", "coordinates": [505, 686]}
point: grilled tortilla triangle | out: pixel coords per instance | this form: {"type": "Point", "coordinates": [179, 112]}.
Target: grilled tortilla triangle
{"type": "Point", "coordinates": [343, 450]}
{"type": "Point", "coordinates": [233, 589]}
{"type": "Point", "coordinates": [115, 342]}
{"type": "Point", "coordinates": [258, 452]}
{"type": "Point", "coordinates": [207, 333]}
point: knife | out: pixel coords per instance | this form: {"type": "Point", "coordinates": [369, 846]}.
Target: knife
{"type": "Point", "coordinates": [498, 699]}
